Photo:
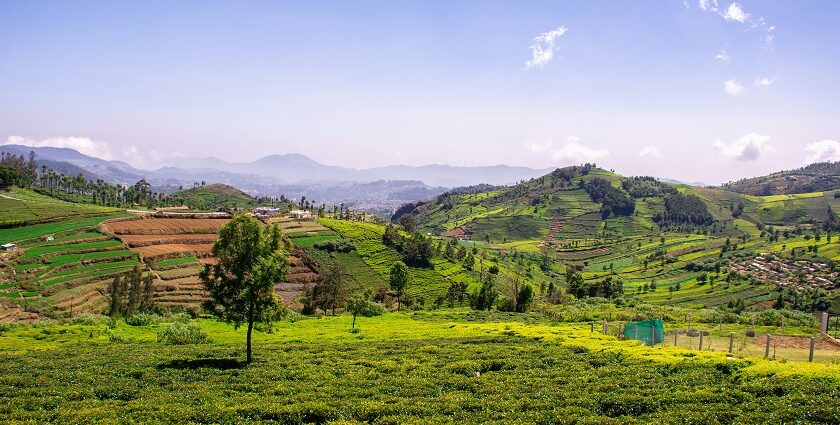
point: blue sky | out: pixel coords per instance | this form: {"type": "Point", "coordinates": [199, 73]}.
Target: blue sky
{"type": "Point", "coordinates": [690, 90]}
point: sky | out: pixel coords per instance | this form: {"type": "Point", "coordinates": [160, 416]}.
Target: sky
{"type": "Point", "coordinates": [707, 90]}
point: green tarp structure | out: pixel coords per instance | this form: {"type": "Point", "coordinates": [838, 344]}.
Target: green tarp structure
{"type": "Point", "coordinates": [649, 332]}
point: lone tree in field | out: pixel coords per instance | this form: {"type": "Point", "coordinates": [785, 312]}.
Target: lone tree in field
{"type": "Point", "coordinates": [361, 307]}
{"type": "Point", "coordinates": [399, 281]}
{"type": "Point", "coordinates": [241, 285]}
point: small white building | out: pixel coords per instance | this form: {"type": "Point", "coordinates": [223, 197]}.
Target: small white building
{"type": "Point", "coordinates": [267, 211]}
{"type": "Point", "coordinates": [300, 215]}
{"type": "Point", "coordinates": [8, 247]}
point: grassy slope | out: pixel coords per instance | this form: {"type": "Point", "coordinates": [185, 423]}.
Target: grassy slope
{"type": "Point", "coordinates": [430, 368]}
{"type": "Point", "coordinates": [21, 206]}
{"type": "Point", "coordinates": [213, 196]}
{"type": "Point", "coordinates": [427, 283]}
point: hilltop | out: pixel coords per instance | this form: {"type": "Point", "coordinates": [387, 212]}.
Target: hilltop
{"type": "Point", "coordinates": [214, 196]}
{"type": "Point", "coordinates": [817, 177]}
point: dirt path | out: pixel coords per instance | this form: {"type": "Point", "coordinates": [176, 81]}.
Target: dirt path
{"type": "Point", "coordinates": [10, 197]}
{"type": "Point", "coordinates": [554, 228]}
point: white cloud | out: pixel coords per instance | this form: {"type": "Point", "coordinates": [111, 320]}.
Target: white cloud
{"type": "Point", "coordinates": [570, 152]}
{"type": "Point", "coordinates": [747, 148]}
{"type": "Point", "coordinates": [763, 82]}
{"type": "Point", "coordinates": [542, 50]}
{"type": "Point", "coordinates": [650, 151]}
{"type": "Point", "coordinates": [147, 158]}
{"type": "Point", "coordinates": [732, 87]}
{"type": "Point", "coordinates": [822, 151]}
{"type": "Point", "coordinates": [84, 145]}
{"type": "Point", "coordinates": [735, 13]}
{"type": "Point", "coordinates": [723, 55]}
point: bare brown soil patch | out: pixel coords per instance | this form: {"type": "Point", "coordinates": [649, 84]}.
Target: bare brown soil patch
{"type": "Point", "coordinates": [164, 226]}
{"type": "Point", "coordinates": [799, 342]}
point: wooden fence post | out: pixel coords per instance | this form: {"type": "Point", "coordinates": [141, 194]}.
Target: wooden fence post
{"type": "Point", "coordinates": [675, 337]}
{"type": "Point", "coordinates": [731, 341]}
{"type": "Point", "coordinates": [701, 340]}
{"type": "Point", "coordinates": [591, 327]}
{"type": "Point", "coordinates": [767, 348]}
{"type": "Point", "coordinates": [811, 353]}
{"type": "Point", "coordinates": [605, 326]}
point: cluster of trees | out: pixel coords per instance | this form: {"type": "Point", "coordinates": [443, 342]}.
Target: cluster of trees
{"type": "Point", "coordinates": [17, 170]}
{"type": "Point", "coordinates": [455, 252]}
{"type": "Point", "coordinates": [644, 187]}
{"type": "Point", "coordinates": [100, 192]}
{"type": "Point", "coordinates": [566, 174]}
{"type": "Point", "coordinates": [804, 299]}
{"type": "Point", "coordinates": [131, 294]}
{"type": "Point", "coordinates": [609, 287]}
{"type": "Point", "coordinates": [684, 209]}
{"type": "Point", "coordinates": [614, 201]}
{"type": "Point", "coordinates": [416, 248]}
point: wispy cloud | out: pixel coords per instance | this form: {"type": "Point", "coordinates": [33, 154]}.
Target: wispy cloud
{"type": "Point", "coordinates": [822, 151]}
{"type": "Point", "coordinates": [708, 5]}
{"type": "Point", "coordinates": [543, 48]}
{"type": "Point", "coordinates": [84, 145]}
{"type": "Point", "coordinates": [763, 82]}
{"type": "Point", "coordinates": [723, 55]}
{"type": "Point", "coordinates": [748, 148]}
{"type": "Point", "coordinates": [735, 13]}
{"type": "Point", "coordinates": [572, 151]}
{"type": "Point", "coordinates": [732, 87]}
{"type": "Point", "coordinates": [650, 151]}
{"type": "Point", "coordinates": [147, 158]}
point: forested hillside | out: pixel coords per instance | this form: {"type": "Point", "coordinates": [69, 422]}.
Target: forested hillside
{"type": "Point", "coordinates": [823, 176]}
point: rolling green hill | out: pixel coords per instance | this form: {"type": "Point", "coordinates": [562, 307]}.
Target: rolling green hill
{"type": "Point", "coordinates": [823, 176]}
{"type": "Point", "coordinates": [559, 206]}
{"type": "Point", "coordinates": [214, 196]}
{"type": "Point", "coordinates": [661, 247]}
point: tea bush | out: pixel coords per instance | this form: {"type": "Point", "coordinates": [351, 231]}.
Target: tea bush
{"type": "Point", "coordinates": [180, 333]}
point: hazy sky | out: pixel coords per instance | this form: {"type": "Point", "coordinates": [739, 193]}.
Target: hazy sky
{"type": "Point", "coordinates": [707, 91]}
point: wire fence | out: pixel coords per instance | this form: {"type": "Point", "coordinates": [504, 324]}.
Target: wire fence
{"type": "Point", "coordinates": [740, 342]}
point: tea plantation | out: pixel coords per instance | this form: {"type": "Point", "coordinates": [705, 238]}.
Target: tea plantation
{"type": "Point", "coordinates": [419, 368]}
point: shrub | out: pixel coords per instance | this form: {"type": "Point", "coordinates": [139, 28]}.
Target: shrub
{"type": "Point", "coordinates": [141, 319]}
{"type": "Point", "coordinates": [182, 333]}
{"type": "Point", "coordinates": [335, 245]}
{"type": "Point", "coordinates": [115, 337]}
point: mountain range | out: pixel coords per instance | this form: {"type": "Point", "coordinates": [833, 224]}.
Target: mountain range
{"type": "Point", "coordinates": [292, 175]}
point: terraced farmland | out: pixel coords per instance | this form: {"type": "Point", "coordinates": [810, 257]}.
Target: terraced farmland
{"type": "Point", "coordinates": [23, 206]}
{"type": "Point", "coordinates": [175, 249]}
{"type": "Point", "coordinates": [61, 268]}
{"type": "Point", "coordinates": [427, 283]}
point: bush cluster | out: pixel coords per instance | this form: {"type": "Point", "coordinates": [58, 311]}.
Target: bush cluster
{"type": "Point", "coordinates": [336, 245]}
{"type": "Point", "coordinates": [182, 334]}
